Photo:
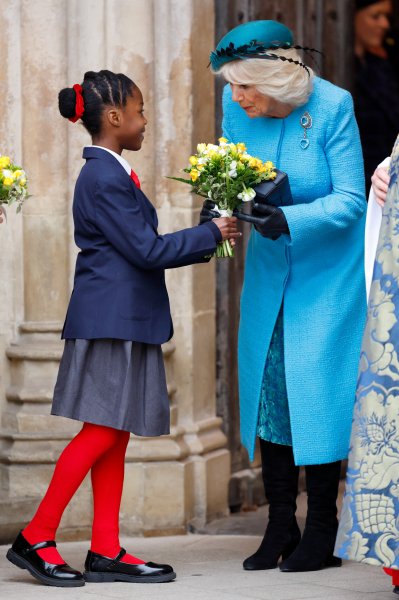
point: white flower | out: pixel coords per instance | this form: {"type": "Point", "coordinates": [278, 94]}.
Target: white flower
{"type": "Point", "coordinates": [233, 169]}
{"type": "Point", "coordinates": [247, 195]}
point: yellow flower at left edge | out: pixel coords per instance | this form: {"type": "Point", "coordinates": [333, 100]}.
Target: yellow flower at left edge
{"type": "Point", "coordinates": [5, 162]}
{"type": "Point", "coordinates": [194, 174]}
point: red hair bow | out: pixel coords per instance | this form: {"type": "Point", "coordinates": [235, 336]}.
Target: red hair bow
{"type": "Point", "coordinates": [80, 105]}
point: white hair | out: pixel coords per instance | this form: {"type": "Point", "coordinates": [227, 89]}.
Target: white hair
{"type": "Point", "coordinates": [282, 80]}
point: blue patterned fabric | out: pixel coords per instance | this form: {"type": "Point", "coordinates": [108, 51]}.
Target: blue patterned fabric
{"type": "Point", "coordinates": [369, 526]}
{"type": "Point", "coordinates": [274, 416]}
{"type": "Point", "coordinates": [318, 270]}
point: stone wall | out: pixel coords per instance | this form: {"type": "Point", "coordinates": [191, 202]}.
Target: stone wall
{"type": "Point", "coordinates": [172, 482]}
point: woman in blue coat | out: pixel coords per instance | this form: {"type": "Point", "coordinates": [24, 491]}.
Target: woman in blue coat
{"type": "Point", "coordinates": [303, 301]}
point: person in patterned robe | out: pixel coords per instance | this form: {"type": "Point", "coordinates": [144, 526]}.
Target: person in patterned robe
{"type": "Point", "coordinates": [369, 525]}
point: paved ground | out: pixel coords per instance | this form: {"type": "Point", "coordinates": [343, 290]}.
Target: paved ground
{"type": "Point", "coordinates": [208, 567]}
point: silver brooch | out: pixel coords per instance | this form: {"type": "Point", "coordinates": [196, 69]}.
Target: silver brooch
{"type": "Point", "coordinates": [306, 123]}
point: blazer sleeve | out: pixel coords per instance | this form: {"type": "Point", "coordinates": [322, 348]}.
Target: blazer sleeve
{"type": "Point", "coordinates": [313, 222]}
{"type": "Point", "coordinates": [120, 218]}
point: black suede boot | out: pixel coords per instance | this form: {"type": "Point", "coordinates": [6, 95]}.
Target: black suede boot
{"type": "Point", "coordinates": [280, 478]}
{"type": "Point", "coordinates": [315, 550]}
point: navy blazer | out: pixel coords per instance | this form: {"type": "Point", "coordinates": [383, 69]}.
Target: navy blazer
{"type": "Point", "coordinates": [119, 288]}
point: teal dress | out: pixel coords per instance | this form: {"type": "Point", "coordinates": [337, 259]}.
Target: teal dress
{"type": "Point", "coordinates": [274, 417]}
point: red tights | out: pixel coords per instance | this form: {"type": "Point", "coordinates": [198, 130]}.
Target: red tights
{"type": "Point", "coordinates": [101, 449]}
{"type": "Point", "coordinates": [394, 573]}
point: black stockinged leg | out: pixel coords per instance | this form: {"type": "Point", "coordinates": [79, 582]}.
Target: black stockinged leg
{"type": "Point", "coordinates": [317, 545]}
{"type": "Point", "coordinates": [282, 535]}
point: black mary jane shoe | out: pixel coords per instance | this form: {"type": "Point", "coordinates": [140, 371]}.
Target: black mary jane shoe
{"type": "Point", "coordinates": [24, 555]}
{"type": "Point", "coordinates": [101, 569]}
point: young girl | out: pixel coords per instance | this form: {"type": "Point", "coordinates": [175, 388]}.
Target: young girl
{"type": "Point", "coordinates": [111, 375]}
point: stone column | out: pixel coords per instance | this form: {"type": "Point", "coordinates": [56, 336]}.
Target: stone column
{"type": "Point", "coordinates": [184, 104]}
{"type": "Point", "coordinates": [31, 439]}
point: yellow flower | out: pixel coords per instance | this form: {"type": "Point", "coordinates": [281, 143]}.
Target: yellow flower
{"type": "Point", "coordinates": [193, 160]}
{"type": "Point", "coordinates": [17, 173]}
{"type": "Point", "coordinates": [4, 162]}
{"type": "Point", "coordinates": [194, 174]}
{"type": "Point", "coordinates": [241, 147]}
{"type": "Point", "coordinates": [233, 148]}
{"type": "Point", "coordinates": [222, 141]}
{"type": "Point", "coordinates": [200, 166]}
{"type": "Point", "coordinates": [269, 164]}
{"type": "Point", "coordinates": [22, 182]}
{"type": "Point", "coordinates": [8, 181]}
{"type": "Point", "coordinates": [255, 163]}
{"type": "Point", "coordinates": [201, 148]}
{"type": "Point", "coordinates": [244, 158]}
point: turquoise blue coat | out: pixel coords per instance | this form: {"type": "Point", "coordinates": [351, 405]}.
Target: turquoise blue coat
{"type": "Point", "coordinates": [317, 270]}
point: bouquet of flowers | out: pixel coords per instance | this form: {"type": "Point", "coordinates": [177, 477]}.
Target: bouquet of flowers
{"type": "Point", "coordinates": [13, 184]}
{"type": "Point", "coordinates": [225, 174]}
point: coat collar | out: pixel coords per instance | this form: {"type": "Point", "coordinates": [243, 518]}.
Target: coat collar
{"type": "Point", "coordinates": [101, 153]}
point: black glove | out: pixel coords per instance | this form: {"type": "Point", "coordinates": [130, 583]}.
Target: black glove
{"type": "Point", "coordinates": [268, 220]}
{"type": "Point", "coordinates": [208, 212]}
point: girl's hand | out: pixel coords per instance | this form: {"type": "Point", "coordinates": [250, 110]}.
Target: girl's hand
{"type": "Point", "coordinates": [380, 182]}
{"type": "Point", "coordinates": [227, 227]}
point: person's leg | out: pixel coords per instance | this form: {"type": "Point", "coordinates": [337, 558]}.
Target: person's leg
{"type": "Point", "coordinates": [72, 466]}
{"type": "Point", "coordinates": [315, 550]}
{"type": "Point", "coordinates": [394, 573]}
{"type": "Point", "coordinates": [280, 478]}
{"type": "Point", "coordinates": [107, 475]}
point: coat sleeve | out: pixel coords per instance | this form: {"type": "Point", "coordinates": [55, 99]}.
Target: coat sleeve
{"type": "Point", "coordinates": [312, 223]}
{"type": "Point", "coordinates": [120, 218]}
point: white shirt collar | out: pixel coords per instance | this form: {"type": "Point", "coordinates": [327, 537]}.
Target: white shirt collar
{"type": "Point", "coordinates": [118, 157]}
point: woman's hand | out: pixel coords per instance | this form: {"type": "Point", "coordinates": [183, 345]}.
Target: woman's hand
{"type": "Point", "coordinates": [209, 211]}
{"type": "Point", "coordinates": [228, 228]}
{"type": "Point", "coordinates": [268, 220]}
{"type": "Point", "coordinates": [380, 183]}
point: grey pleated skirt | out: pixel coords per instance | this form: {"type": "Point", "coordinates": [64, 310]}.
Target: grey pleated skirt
{"type": "Point", "coordinates": [116, 383]}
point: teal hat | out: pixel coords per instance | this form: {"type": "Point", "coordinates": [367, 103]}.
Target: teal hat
{"type": "Point", "coordinates": [251, 40]}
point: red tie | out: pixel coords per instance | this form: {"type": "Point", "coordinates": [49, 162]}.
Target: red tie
{"type": "Point", "coordinates": [134, 178]}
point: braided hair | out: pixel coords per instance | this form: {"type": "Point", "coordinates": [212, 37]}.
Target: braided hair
{"type": "Point", "coordinates": [99, 89]}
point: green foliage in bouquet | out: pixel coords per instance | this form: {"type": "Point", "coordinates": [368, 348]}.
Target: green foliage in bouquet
{"type": "Point", "coordinates": [13, 183]}
{"type": "Point", "coordinates": [226, 173]}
